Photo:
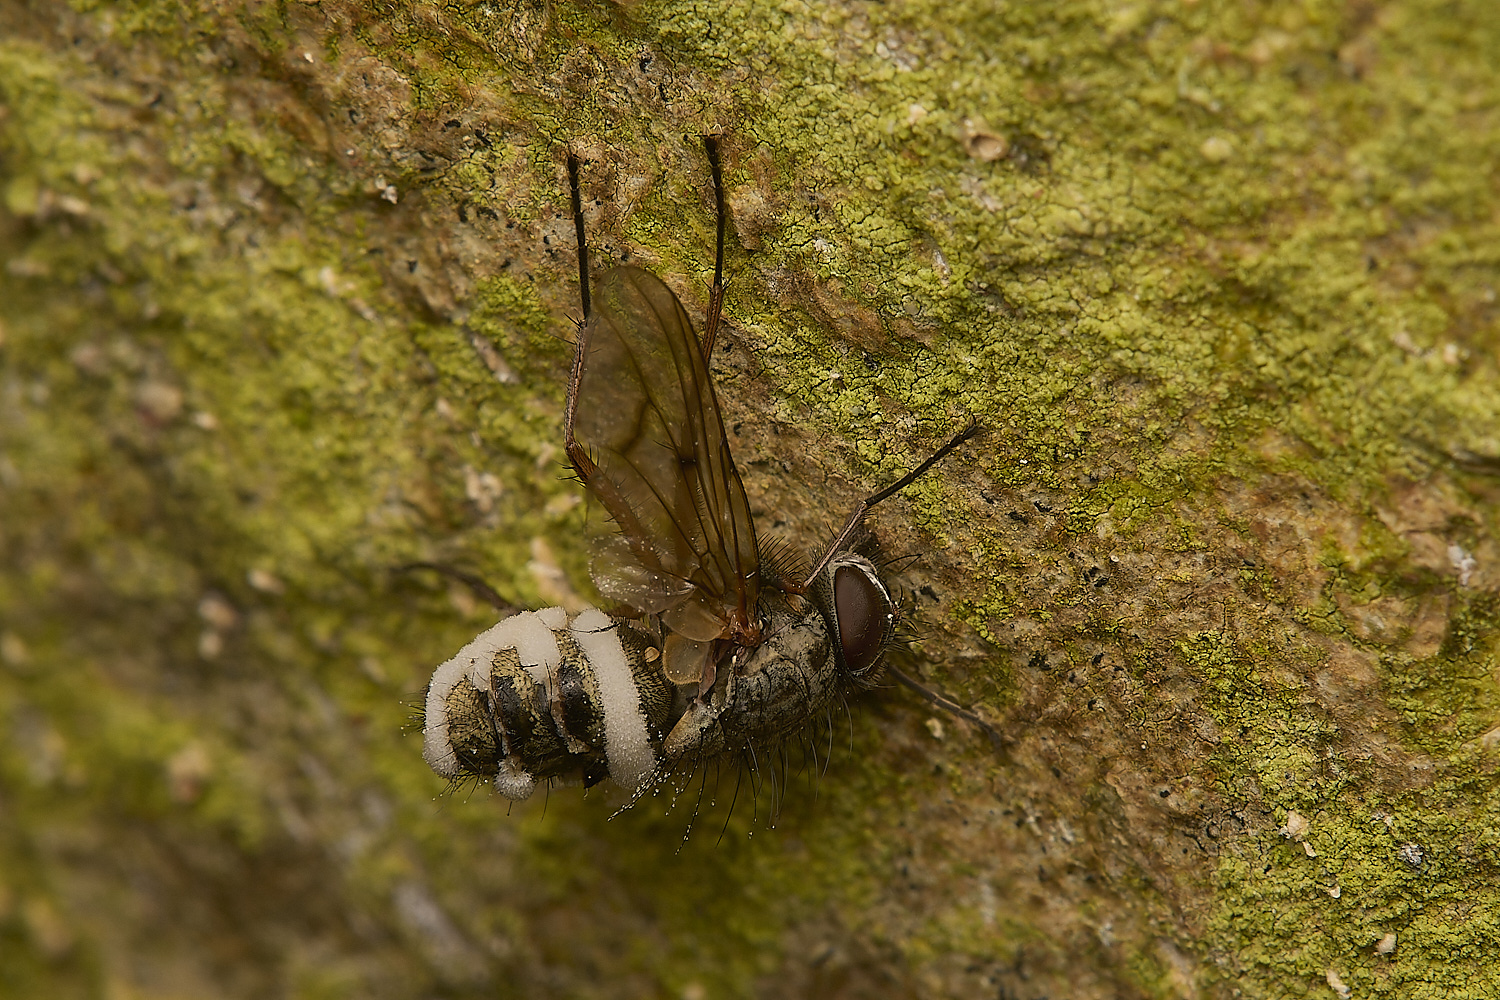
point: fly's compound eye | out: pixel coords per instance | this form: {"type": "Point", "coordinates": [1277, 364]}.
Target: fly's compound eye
{"type": "Point", "coordinates": [862, 610]}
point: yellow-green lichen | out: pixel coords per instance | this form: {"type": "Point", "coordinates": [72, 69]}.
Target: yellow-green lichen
{"type": "Point", "coordinates": [268, 337]}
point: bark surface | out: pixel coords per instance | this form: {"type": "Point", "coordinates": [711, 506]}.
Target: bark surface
{"type": "Point", "coordinates": [286, 306]}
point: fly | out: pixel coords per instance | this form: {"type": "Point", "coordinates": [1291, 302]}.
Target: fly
{"type": "Point", "coordinates": [718, 645]}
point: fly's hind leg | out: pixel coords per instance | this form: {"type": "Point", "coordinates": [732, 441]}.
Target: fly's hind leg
{"type": "Point", "coordinates": [583, 465]}
{"type": "Point", "coordinates": [476, 584]}
{"type": "Point", "coordinates": [716, 293]}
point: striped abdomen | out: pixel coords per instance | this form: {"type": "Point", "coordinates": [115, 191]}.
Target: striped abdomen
{"type": "Point", "coordinates": [541, 696]}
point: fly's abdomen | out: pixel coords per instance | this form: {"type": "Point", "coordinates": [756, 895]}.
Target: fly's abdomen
{"type": "Point", "coordinates": [543, 696]}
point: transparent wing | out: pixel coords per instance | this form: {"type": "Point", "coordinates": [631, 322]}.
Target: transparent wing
{"type": "Point", "coordinates": [646, 438]}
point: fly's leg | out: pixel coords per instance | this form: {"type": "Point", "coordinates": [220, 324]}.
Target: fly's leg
{"type": "Point", "coordinates": [856, 518]}
{"type": "Point", "coordinates": [583, 246]}
{"type": "Point", "coordinates": [582, 464]}
{"type": "Point", "coordinates": [481, 590]}
{"type": "Point", "coordinates": [716, 293]}
{"type": "Point", "coordinates": [949, 705]}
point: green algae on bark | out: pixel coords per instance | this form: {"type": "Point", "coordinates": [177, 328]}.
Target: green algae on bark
{"type": "Point", "coordinates": [285, 307]}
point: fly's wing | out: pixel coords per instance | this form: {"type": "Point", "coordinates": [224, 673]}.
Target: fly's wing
{"type": "Point", "coordinates": [646, 438]}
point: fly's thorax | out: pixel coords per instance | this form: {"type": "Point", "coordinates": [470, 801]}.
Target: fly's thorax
{"type": "Point", "coordinates": [769, 692]}
{"type": "Point", "coordinates": [793, 630]}
{"type": "Point", "coordinates": [860, 613]}
{"type": "Point", "coordinates": [541, 695]}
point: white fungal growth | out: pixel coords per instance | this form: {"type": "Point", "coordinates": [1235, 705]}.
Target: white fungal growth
{"type": "Point", "coordinates": [554, 618]}
{"type": "Point", "coordinates": [512, 782]}
{"type": "Point", "coordinates": [527, 633]}
{"type": "Point", "coordinates": [626, 744]}
{"type": "Point", "coordinates": [467, 663]}
{"type": "Point", "coordinates": [530, 635]}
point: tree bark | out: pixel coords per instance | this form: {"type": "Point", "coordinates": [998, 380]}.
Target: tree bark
{"type": "Point", "coordinates": [287, 306]}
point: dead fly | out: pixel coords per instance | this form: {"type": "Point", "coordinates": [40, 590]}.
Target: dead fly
{"type": "Point", "coordinates": [719, 647]}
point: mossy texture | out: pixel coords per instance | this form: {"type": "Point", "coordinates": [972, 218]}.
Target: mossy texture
{"type": "Point", "coordinates": [286, 307]}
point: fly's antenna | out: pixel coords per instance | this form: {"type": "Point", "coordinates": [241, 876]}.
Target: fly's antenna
{"type": "Point", "coordinates": [716, 293]}
{"type": "Point", "coordinates": [583, 244]}
{"type": "Point", "coordinates": [857, 516]}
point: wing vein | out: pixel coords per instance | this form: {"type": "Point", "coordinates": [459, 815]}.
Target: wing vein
{"type": "Point", "coordinates": [645, 406]}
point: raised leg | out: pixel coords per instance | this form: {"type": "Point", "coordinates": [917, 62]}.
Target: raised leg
{"type": "Point", "coordinates": [716, 293]}
{"type": "Point", "coordinates": [582, 464]}
{"type": "Point", "coordinates": [857, 516]}
{"type": "Point", "coordinates": [583, 245]}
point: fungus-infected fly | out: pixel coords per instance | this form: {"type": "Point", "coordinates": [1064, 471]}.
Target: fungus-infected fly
{"type": "Point", "coordinates": [717, 646]}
